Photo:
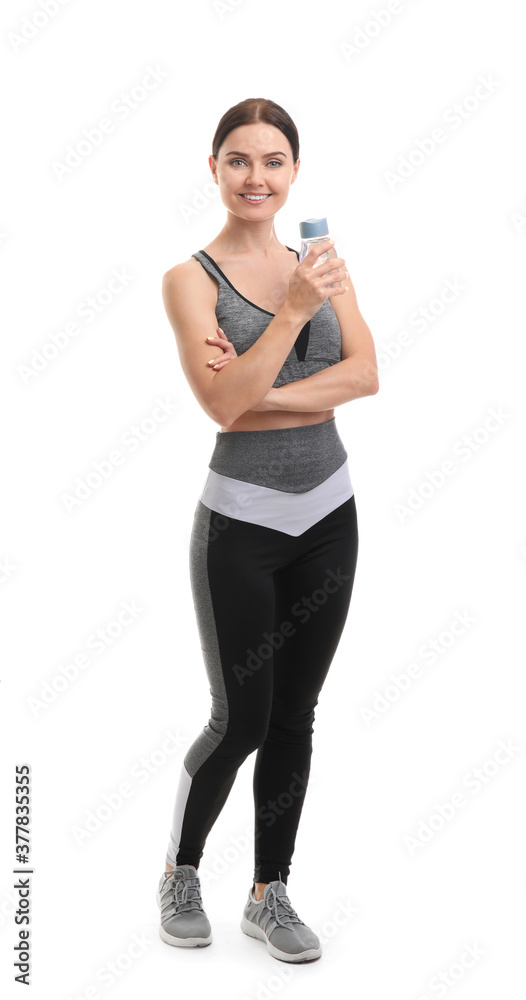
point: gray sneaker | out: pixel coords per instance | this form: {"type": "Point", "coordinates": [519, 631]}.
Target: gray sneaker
{"type": "Point", "coordinates": [273, 920]}
{"type": "Point", "coordinates": [183, 921]}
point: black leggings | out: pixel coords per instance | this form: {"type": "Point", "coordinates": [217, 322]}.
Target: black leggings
{"type": "Point", "coordinates": [270, 610]}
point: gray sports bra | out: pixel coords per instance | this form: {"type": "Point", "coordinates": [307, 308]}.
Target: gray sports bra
{"type": "Point", "coordinates": [317, 346]}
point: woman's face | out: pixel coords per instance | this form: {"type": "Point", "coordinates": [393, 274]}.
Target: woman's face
{"type": "Point", "coordinates": [254, 159]}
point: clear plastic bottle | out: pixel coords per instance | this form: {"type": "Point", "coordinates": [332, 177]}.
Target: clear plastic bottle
{"type": "Point", "coordinates": [315, 231]}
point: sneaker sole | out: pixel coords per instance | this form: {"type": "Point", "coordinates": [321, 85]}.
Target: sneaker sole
{"type": "Point", "coordinates": [191, 942]}
{"type": "Point", "coordinates": [257, 932]}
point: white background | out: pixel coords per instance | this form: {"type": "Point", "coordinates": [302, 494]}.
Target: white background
{"type": "Point", "coordinates": [459, 216]}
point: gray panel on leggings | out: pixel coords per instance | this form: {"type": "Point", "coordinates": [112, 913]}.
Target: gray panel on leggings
{"type": "Point", "coordinates": [214, 731]}
{"type": "Point", "coordinates": [291, 459]}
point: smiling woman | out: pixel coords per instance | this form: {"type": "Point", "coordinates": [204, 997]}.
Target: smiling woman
{"type": "Point", "coordinates": [275, 532]}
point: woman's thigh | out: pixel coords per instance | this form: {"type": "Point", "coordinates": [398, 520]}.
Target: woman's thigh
{"type": "Point", "coordinates": [232, 572]}
{"type": "Point", "coordinates": [313, 595]}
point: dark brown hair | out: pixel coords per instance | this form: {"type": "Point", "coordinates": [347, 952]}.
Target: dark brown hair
{"type": "Point", "coordinates": [256, 109]}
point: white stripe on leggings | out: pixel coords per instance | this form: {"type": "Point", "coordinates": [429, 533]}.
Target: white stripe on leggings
{"type": "Point", "coordinates": [289, 512]}
{"type": "Point", "coordinates": [183, 791]}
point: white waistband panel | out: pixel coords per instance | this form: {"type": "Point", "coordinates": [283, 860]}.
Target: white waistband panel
{"type": "Point", "coordinates": [292, 513]}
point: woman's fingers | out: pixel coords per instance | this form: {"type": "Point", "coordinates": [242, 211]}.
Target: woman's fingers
{"type": "Point", "coordinates": [219, 362]}
{"type": "Point", "coordinates": [227, 347]}
{"type": "Point", "coordinates": [220, 331]}
{"type": "Point", "coordinates": [227, 354]}
{"type": "Point", "coordinates": [219, 340]}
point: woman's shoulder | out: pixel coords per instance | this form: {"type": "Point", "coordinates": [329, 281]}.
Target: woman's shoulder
{"type": "Point", "coordinates": [187, 272]}
{"type": "Point", "coordinates": [183, 267]}
{"type": "Point", "coordinates": [188, 281]}
{"type": "Point", "coordinates": [186, 287]}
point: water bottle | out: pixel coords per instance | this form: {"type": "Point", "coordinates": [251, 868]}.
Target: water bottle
{"type": "Point", "coordinates": [315, 231]}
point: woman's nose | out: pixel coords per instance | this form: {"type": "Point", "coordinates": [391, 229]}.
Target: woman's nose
{"type": "Point", "coordinates": [255, 175]}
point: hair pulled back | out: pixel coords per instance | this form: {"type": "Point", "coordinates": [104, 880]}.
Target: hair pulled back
{"type": "Point", "coordinates": [256, 109]}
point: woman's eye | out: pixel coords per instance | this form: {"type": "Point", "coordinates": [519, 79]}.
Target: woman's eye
{"type": "Point", "coordinates": [232, 162]}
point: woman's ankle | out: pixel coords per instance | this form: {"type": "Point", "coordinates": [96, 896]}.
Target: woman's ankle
{"type": "Point", "coordinates": [259, 890]}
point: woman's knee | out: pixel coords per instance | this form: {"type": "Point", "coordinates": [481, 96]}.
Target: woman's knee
{"type": "Point", "coordinates": [248, 737]}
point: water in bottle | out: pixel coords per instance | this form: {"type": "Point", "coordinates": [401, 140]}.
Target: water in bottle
{"type": "Point", "coordinates": [315, 231]}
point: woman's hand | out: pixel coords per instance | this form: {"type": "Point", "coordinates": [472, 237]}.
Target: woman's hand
{"type": "Point", "coordinates": [229, 350]}
{"type": "Point", "coordinates": [310, 285]}
{"type": "Point", "coordinates": [270, 401]}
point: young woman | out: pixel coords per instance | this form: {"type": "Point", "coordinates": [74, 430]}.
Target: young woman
{"type": "Point", "coordinates": [274, 542]}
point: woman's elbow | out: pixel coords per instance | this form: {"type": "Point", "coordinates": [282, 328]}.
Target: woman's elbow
{"type": "Point", "coordinates": [365, 376]}
{"type": "Point", "coordinates": [371, 376]}
{"type": "Point", "coordinates": [219, 412]}
{"type": "Point", "coordinates": [218, 415]}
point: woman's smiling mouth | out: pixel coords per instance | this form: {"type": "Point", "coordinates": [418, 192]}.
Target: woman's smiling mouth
{"type": "Point", "coordinates": [253, 199]}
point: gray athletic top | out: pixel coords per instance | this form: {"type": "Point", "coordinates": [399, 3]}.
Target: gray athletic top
{"type": "Point", "coordinates": [317, 346]}
{"type": "Point", "coordinates": [285, 478]}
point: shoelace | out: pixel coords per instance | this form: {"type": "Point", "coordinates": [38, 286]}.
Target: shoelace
{"type": "Point", "coordinates": [282, 910]}
{"type": "Point", "coordinates": [186, 893]}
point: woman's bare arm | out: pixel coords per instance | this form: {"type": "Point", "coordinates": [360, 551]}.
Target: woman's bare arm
{"type": "Point", "coordinates": [351, 378]}
{"type": "Point", "coordinates": [190, 302]}
{"type": "Point", "coordinates": [354, 376]}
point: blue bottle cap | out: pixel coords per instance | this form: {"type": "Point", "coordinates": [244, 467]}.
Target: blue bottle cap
{"type": "Point", "coordinates": [312, 228]}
